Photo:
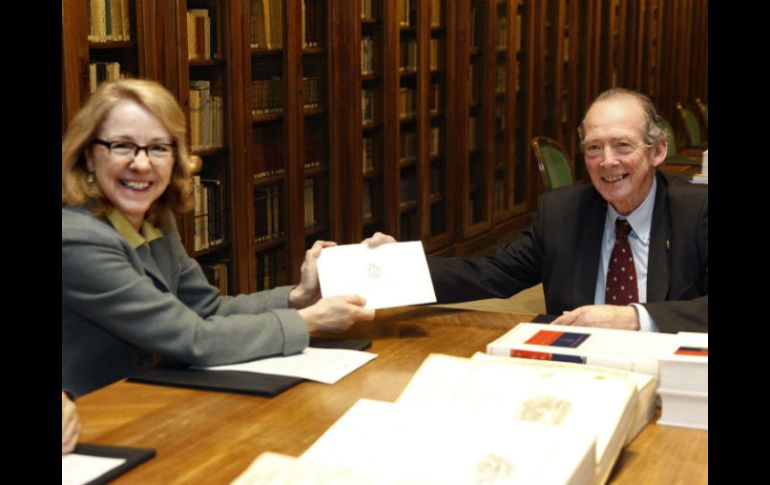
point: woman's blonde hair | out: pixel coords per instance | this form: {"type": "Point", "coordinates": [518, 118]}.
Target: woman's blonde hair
{"type": "Point", "coordinates": [156, 99]}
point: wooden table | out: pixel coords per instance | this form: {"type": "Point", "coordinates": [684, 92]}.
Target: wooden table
{"type": "Point", "coordinates": [211, 437]}
{"type": "Point", "coordinates": [683, 171]}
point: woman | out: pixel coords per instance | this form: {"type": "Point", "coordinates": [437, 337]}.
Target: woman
{"type": "Point", "coordinates": [129, 290]}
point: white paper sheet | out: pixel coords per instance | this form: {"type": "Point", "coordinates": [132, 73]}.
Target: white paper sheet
{"type": "Point", "coordinates": [387, 276]}
{"type": "Point", "coordinates": [322, 365]}
{"type": "Point", "coordinates": [77, 469]}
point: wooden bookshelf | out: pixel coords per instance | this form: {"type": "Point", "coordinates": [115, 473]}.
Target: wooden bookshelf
{"type": "Point", "coordinates": [205, 90]}
{"type": "Point", "coordinates": [412, 117]}
{"type": "Point", "coordinates": [103, 44]}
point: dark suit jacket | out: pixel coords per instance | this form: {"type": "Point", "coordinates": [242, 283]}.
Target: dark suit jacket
{"type": "Point", "coordinates": [121, 306]}
{"type": "Point", "coordinates": [562, 251]}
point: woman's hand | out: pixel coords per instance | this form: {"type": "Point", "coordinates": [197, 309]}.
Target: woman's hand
{"type": "Point", "coordinates": [70, 424]}
{"type": "Point", "coordinates": [336, 313]}
{"type": "Point", "coordinates": [308, 291]}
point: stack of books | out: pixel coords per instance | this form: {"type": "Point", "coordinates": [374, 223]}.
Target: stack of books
{"type": "Point", "coordinates": [604, 347]}
{"type": "Point", "coordinates": [677, 362]}
{"type": "Point", "coordinates": [479, 420]}
{"type": "Point", "coordinates": [703, 176]}
{"type": "Point", "coordinates": [684, 382]}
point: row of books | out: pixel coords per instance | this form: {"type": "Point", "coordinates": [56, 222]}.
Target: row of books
{"type": "Point", "coordinates": [677, 362]}
{"type": "Point", "coordinates": [367, 55]}
{"type": "Point", "coordinates": [266, 24]}
{"type": "Point", "coordinates": [407, 146]}
{"type": "Point", "coordinates": [502, 31]}
{"type": "Point", "coordinates": [201, 34]}
{"type": "Point", "coordinates": [407, 13]}
{"type": "Point", "coordinates": [267, 96]}
{"type": "Point", "coordinates": [266, 21]}
{"type": "Point", "coordinates": [313, 22]}
{"type": "Point", "coordinates": [366, 9]}
{"type": "Point", "coordinates": [99, 72]}
{"type": "Point", "coordinates": [435, 98]}
{"type": "Point", "coordinates": [549, 423]}
{"type": "Point", "coordinates": [268, 213]}
{"type": "Point", "coordinates": [207, 127]}
{"type": "Point", "coordinates": [407, 60]}
{"type": "Point", "coordinates": [217, 274]}
{"type": "Point", "coordinates": [271, 269]}
{"type": "Point", "coordinates": [109, 21]}
{"type": "Point", "coordinates": [434, 139]}
{"type": "Point", "coordinates": [208, 213]}
{"type": "Point", "coordinates": [309, 202]}
{"type": "Point", "coordinates": [407, 55]}
{"type": "Point", "coordinates": [434, 54]}
{"type": "Point", "coordinates": [367, 105]}
{"type": "Point", "coordinates": [313, 92]}
{"type": "Point", "coordinates": [368, 155]}
{"type": "Point", "coordinates": [407, 102]}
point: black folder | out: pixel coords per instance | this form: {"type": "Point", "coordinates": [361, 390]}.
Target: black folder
{"type": "Point", "coordinates": [541, 318]}
{"type": "Point", "coordinates": [133, 457]}
{"type": "Point", "coordinates": [267, 385]}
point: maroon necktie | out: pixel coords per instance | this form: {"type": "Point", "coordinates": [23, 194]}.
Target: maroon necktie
{"type": "Point", "coordinates": [621, 274]}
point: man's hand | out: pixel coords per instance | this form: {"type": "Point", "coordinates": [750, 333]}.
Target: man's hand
{"type": "Point", "coordinates": [606, 316]}
{"type": "Point", "coordinates": [336, 313]}
{"type": "Point", "coordinates": [378, 239]}
{"type": "Point", "coordinates": [308, 291]}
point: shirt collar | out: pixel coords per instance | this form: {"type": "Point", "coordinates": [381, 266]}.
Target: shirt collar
{"type": "Point", "coordinates": [640, 219]}
{"type": "Point", "coordinates": [148, 231]}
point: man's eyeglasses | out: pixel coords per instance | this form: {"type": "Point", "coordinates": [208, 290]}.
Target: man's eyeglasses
{"type": "Point", "coordinates": [619, 148]}
{"type": "Point", "coordinates": [127, 149]}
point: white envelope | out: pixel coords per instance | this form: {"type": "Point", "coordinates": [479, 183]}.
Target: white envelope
{"type": "Point", "coordinates": [387, 276]}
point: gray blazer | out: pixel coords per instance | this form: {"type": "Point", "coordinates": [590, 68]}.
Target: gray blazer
{"type": "Point", "coordinates": [121, 305]}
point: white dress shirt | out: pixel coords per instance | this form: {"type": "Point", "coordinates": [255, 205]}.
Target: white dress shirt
{"type": "Point", "coordinates": [639, 240]}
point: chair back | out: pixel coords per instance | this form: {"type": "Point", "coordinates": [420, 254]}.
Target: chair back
{"type": "Point", "coordinates": [671, 151]}
{"type": "Point", "coordinates": [691, 126]}
{"type": "Point", "coordinates": [703, 108]}
{"type": "Point", "coordinates": [552, 162]}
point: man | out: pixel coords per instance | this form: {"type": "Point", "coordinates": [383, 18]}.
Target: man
{"type": "Point", "coordinates": [572, 242]}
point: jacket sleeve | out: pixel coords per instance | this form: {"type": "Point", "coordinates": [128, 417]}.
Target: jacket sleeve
{"type": "Point", "coordinates": [102, 280]}
{"type": "Point", "coordinates": [513, 268]}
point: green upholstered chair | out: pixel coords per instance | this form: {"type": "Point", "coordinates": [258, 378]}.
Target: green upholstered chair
{"type": "Point", "coordinates": [552, 162]}
{"type": "Point", "coordinates": [672, 156]}
{"type": "Point", "coordinates": [703, 110]}
{"type": "Point", "coordinates": [691, 126]}
{"type": "Point", "coordinates": [670, 135]}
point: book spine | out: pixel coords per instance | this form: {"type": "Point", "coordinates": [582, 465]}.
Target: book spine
{"type": "Point", "coordinates": [531, 354]}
